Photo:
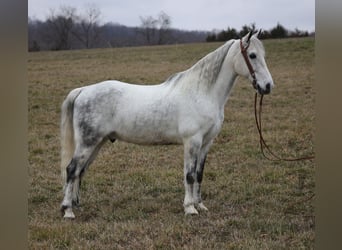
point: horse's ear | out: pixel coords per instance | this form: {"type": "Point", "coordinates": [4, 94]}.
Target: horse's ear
{"type": "Point", "coordinates": [258, 33]}
{"type": "Point", "coordinates": [247, 37]}
{"type": "Point", "coordinates": [250, 35]}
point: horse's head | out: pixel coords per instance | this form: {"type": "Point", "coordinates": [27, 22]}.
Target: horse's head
{"type": "Point", "coordinates": [251, 63]}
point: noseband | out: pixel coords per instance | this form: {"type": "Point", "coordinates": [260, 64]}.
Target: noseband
{"type": "Point", "coordinates": [248, 63]}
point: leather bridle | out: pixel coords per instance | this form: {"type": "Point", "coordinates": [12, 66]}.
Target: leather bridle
{"type": "Point", "coordinates": [248, 63]}
{"type": "Point", "coordinates": [257, 114]}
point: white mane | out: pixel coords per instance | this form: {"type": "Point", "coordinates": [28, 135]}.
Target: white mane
{"type": "Point", "coordinates": [205, 72]}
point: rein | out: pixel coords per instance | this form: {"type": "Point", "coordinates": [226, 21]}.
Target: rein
{"type": "Point", "coordinates": [263, 144]}
{"type": "Point", "coordinates": [257, 115]}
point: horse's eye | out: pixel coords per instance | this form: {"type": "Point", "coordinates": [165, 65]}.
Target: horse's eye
{"type": "Point", "coordinates": [252, 56]}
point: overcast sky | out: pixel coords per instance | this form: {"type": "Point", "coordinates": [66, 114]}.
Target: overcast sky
{"type": "Point", "coordinates": [195, 14]}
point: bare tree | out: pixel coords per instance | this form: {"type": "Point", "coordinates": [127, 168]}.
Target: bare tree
{"type": "Point", "coordinates": [148, 28]}
{"type": "Point", "coordinates": [33, 34]}
{"type": "Point", "coordinates": [60, 25]}
{"type": "Point", "coordinates": [164, 21]}
{"type": "Point", "coordinates": [87, 30]}
{"type": "Point", "coordinates": [156, 30]}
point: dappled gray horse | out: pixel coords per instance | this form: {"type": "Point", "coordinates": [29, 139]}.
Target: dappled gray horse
{"type": "Point", "coordinates": [188, 109]}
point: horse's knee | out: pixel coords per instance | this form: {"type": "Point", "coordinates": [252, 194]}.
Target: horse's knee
{"type": "Point", "coordinates": [190, 175]}
{"type": "Point", "coordinates": [71, 170]}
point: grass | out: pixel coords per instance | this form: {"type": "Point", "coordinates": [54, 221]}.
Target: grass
{"type": "Point", "coordinates": [131, 197]}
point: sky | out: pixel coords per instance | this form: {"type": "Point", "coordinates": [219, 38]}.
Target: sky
{"type": "Point", "coordinates": [206, 15]}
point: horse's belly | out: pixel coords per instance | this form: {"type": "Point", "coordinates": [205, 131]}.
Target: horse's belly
{"type": "Point", "coordinates": [146, 136]}
{"type": "Point", "coordinates": [147, 129]}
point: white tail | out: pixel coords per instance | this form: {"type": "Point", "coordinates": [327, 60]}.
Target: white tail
{"type": "Point", "coordinates": [67, 131]}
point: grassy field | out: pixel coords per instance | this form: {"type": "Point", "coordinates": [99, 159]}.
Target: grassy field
{"type": "Point", "coordinates": [131, 197]}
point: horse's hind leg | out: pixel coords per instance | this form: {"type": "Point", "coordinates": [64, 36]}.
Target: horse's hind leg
{"type": "Point", "coordinates": [66, 206]}
{"type": "Point", "coordinates": [82, 158]}
{"type": "Point", "coordinates": [78, 179]}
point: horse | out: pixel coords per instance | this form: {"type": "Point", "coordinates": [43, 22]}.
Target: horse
{"type": "Point", "coordinates": [188, 109]}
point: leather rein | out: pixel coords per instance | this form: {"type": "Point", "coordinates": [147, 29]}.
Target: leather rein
{"type": "Point", "coordinates": [257, 115]}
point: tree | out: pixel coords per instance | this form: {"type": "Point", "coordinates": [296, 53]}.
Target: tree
{"type": "Point", "coordinates": [156, 30]}
{"type": "Point", "coordinates": [246, 29]}
{"type": "Point", "coordinates": [211, 38]}
{"type": "Point", "coordinates": [298, 33]}
{"type": "Point", "coordinates": [87, 29]}
{"type": "Point", "coordinates": [33, 34]}
{"type": "Point", "coordinates": [148, 28]}
{"type": "Point", "coordinates": [265, 34]}
{"type": "Point", "coordinates": [60, 26]}
{"type": "Point", "coordinates": [164, 21]}
{"type": "Point", "coordinates": [279, 31]}
{"type": "Point", "coordinates": [230, 33]}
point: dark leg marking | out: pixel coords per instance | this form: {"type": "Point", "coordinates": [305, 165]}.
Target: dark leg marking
{"type": "Point", "coordinates": [190, 174]}
{"type": "Point", "coordinates": [76, 203]}
{"type": "Point", "coordinates": [71, 176]}
{"type": "Point", "coordinates": [71, 169]}
{"type": "Point", "coordinates": [63, 209]}
{"type": "Point", "coordinates": [200, 171]}
{"type": "Point", "coordinates": [189, 178]}
{"type": "Point", "coordinates": [82, 173]}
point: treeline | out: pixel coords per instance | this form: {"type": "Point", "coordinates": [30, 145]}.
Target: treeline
{"type": "Point", "coordinates": [278, 31]}
{"type": "Point", "coordinates": [66, 29]}
{"type": "Point", "coordinates": [108, 35]}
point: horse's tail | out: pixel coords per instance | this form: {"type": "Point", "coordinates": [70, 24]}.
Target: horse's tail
{"type": "Point", "coordinates": [67, 131]}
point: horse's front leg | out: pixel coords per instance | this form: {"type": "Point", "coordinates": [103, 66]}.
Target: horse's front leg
{"type": "Point", "coordinates": [192, 148]}
{"type": "Point", "coordinates": [199, 177]}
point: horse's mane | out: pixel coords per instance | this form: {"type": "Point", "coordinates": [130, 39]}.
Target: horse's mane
{"type": "Point", "coordinates": [205, 71]}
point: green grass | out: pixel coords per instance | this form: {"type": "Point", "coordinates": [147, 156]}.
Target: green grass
{"type": "Point", "coordinates": [131, 197]}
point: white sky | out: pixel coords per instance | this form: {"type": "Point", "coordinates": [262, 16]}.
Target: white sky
{"type": "Point", "coordinates": [195, 14]}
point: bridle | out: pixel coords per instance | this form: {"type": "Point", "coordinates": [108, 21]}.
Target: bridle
{"type": "Point", "coordinates": [248, 63]}
{"type": "Point", "coordinates": [257, 114]}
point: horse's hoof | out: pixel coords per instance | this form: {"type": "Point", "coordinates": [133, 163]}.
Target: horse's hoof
{"type": "Point", "coordinates": [68, 213]}
{"type": "Point", "coordinates": [190, 210]}
{"type": "Point", "coordinates": [201, 207]}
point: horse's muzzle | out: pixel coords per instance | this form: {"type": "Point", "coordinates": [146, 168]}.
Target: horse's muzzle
{"type": "Point", "coordinates": [264, 91]}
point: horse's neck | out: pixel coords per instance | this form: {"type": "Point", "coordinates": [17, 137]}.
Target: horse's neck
{"type": "Point", "coordinates": [221, 89]}
{"type": "Point", "coordinates": [212, 76]}
{"type": "Point", "coordinates": [225, 81]}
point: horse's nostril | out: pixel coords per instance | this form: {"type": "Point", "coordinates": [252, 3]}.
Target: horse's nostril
{"type": "Point", "coordinates": [259, 88]}
{"type": "Point", "coordinates": [264, 91]}
{"type": "Point", "coordinates": [268, 86]}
